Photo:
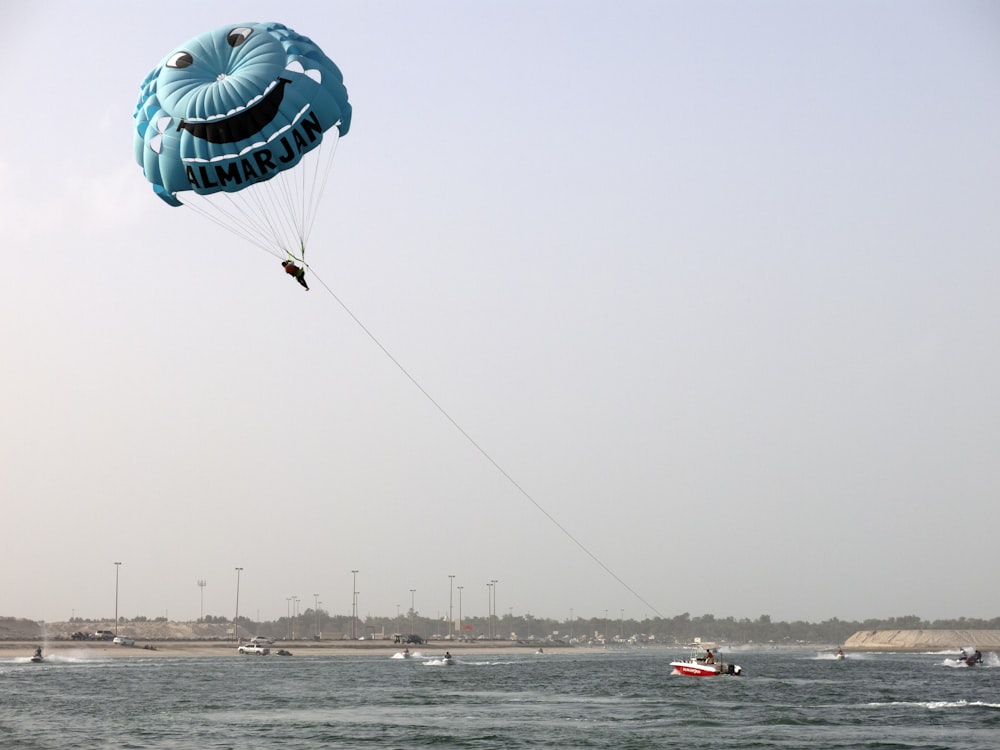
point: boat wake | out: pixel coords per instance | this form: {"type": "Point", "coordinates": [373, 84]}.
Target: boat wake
{"type": "Point", "coordinates": [937, 705]}
{"type": "Point", "coordinates": [439, 662]}
{"type": "Point", "coordinates": [990, 661]}
{"type": "Point", "coordinates": [411, 655]}
{"type": "Point", "coordinates": [50, 659]}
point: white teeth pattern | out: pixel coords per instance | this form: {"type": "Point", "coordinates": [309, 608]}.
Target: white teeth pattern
{"type": "Point", "coordinates": [296, 67]}
{"type": "Point", "coordinates": [253, 146]}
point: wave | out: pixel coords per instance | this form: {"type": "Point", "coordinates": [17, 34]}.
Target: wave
{"type": "Point", "coordinates": [937, 705]}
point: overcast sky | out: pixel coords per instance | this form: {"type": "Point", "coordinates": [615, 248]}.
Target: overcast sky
{"type": "Point", "coordinates": [717, 284]}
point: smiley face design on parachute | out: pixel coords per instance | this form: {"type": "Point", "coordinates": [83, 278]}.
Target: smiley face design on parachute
{"type": "Point", "coordinates": [235, 106]}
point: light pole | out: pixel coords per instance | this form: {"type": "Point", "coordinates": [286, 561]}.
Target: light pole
{"type": "Point", "coordinates": [295, 614]}
{"type": "Point", "coordinates": [413, 593]}
{"type": "Point", "coordinates": [201, 585]}
{"type": "Point", "coordinates": [288, 617]}
{"type": "Point", "coordinates": [451, 617]}
{"type": "Point", "coordinates": [571, 623]}
{"type": "Point", "coordinates": [236, 620]}
{"type": "Point", "coordinates": [117, 566]}
{"type": "Point", "coordinates": [489, 611]}
{"type": "Point", "coordinates": [496, 630]}
{"type": "Point", "coordinates": [316, 598]}
{"type": "Point", "coordinates": [460, 631]}
{"type": "Point", "coordinates": [356, 595]}
{"type": "Point", "coordinates": [354, 605]}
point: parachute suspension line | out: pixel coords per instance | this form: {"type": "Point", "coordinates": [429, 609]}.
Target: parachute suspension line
{"type": "Point", "coordinates": [215, 213]}
{"type": "Point", "coordinates": [272, 208]}
{"type": "Point", "coordinates": [237, 212]}
{"type": "Point", "coordinates": [482, 451]}
{"type": "Point", "coordinates": [321, 176]}
{"type": "Point", "coordinates": [276, 215]}
{"type": "Point", "coordinates": [301, 257]}
{"type": "Point", "coordinates": [254, 214]}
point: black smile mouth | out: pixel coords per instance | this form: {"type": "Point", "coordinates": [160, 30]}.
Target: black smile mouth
{"type": "Point", "coordinates": [243, 125]}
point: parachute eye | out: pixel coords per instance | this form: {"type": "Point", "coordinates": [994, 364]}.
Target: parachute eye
{"type": "Point", "coordinates": [238, 35]}
{"type": "Point", "coordinates": [180, 60]}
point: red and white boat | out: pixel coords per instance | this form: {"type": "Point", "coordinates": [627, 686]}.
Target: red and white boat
{"type": "Point", "coordinates": [705, 663]}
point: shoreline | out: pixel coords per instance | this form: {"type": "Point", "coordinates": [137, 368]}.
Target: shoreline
{"type": "Point", "coordinates": [14, 650]}
{"type": "Point", "coordinates": [150, 649]}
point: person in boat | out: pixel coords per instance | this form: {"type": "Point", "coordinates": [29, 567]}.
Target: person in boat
{"type": "Point", "coordinates": [38, 653]}
{"type": "Point", "coordinates": [447, 655]}
{"type": "Point", "coordinates": [293, 270]}
{"type": "Point", "coordinates": [709, 656]}
{"type": "Point", "coordinates": [977, 658]}
{"type": "Point", "coordinates": [406, 652]}
{"type": "Point", "coordinates": [840, 653]}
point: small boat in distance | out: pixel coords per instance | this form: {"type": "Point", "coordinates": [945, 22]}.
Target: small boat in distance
{"type": "Point", "coordinates": [704, 663]}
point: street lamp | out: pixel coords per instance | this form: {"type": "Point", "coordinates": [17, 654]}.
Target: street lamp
{"type": "Point", "coordinates": [413, 593]}
{"type": "Point", "coordinates": [288, 617]}
{"type": "Point", "coordinates": [117, 566]}
{"type": "Point", "coordinates": [236, 621]}
{"type": "Point", "coordinates": [201, 585]}
{"type": "Point", "coordinates": [354, 606]}
{"type": "Point", "coordinates": [460, 631]}
{"type": "Point", "coordinates": [493, 616]}
{"type": "Point", "coordinates": [451, 618]}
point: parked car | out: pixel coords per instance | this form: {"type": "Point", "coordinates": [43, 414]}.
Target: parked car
{"type": "Point", "coordinates": [253, 648]}
{"type": "Point", "coordinates": [408, 638]}
{"type": "Point", "coordinates": [79, 635]}
{"type": "Point", "coordinates": [124, 640]}
{"type": "Point", "coordinates": [261, 639]}
{"type": "Point", "coordinates": [104, 635]}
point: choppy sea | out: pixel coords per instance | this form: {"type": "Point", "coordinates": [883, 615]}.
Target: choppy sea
{"type": "Point", "coordinates": [560, 699]}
